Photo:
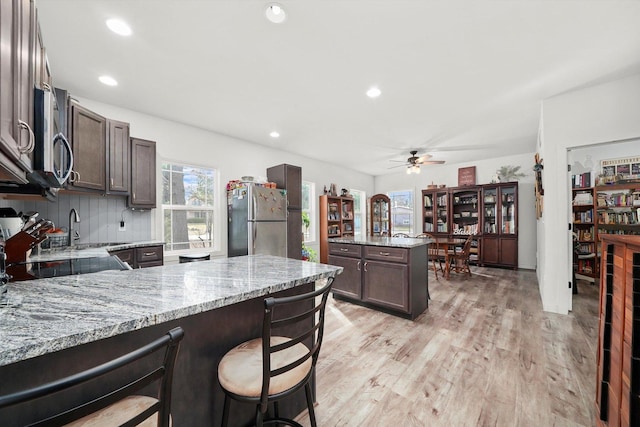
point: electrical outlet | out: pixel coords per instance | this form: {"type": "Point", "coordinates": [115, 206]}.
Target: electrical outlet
{"type": "Point", "coordinates": [122, 226]}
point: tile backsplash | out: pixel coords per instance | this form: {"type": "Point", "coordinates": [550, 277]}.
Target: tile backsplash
{"type": "Point", "coordinates": [99, 217]}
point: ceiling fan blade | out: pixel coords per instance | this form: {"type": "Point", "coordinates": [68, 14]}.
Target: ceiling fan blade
{"type": "Point", "coordinates": [433, 162]}
{"type": "Point", "coordinates": [398, 166]}
{"type": "Point", "coordinates": [398, 161]}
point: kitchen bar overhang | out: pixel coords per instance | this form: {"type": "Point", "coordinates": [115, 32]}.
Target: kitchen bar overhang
{"type": "Point", "coordinates": [53, 327]}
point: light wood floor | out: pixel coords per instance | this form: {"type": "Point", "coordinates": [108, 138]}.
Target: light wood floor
{"type": "Point", "coordinates": [483, 354]}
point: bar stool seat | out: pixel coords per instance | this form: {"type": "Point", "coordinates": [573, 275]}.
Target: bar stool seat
{"type": "Point", "coordinates": [202, 256]}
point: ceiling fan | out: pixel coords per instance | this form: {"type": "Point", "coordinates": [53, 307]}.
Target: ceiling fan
{"type": "Point", "coordinates": [413, 163]}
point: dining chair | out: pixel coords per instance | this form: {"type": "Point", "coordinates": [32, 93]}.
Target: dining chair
{"type": "Point", "coordinates": [460, 257]}
{"type": "Point", "coordinates": [272, 367]}
{"type": "Point", "coordinates": [118, 404]}
{"type": "Point", "coordinates": [433, 253]}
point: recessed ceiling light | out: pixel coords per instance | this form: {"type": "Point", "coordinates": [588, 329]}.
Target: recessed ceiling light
{"type": "Point", "coordinates": [119, 27]}
{"type": "Point", "coordinates": [275, 13]}
{"type": "Point", "coordinates": [373, 92]}
{"type": "Point", "coordinates": [108, 80]}
{"type": "Point", "coordinates": [274, 134]}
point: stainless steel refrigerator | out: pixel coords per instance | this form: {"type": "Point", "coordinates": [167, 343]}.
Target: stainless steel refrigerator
{"type": "Point", "coordinates": [257, 221]}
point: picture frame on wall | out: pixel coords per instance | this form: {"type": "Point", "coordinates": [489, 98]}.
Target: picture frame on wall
{"type": "Point", "coordinates": [621, 166]}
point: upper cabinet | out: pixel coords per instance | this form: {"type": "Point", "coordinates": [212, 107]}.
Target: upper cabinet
{"type": "Point", "coordinates": [143, 174]}
{"type": "Point", "coordinates": [380, 215]}
{"type": "Point", "coordinates": [500, 224]}
{"type": "Point", "coordinates": [17, 38]}
{"type": "Point", "coordinates": [435, 213]}
{"type": "Point", "coordinates": [88, 137]}
{"type": "Point", "coordinates": [119, 157]}
{"type": "Point", "coordinates": [465, 209]}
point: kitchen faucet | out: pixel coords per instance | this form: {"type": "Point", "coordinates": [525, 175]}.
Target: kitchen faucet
{"type": "Point", "coordinates": [73, 217]}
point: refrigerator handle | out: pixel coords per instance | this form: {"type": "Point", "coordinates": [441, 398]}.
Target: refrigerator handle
{"type": "Point", "coordinates": [254, 206]}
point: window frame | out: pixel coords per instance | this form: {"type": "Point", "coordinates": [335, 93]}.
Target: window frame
{"type": "Point", "coordinates": [411, 220]}
{"type": "Point", "coordinates": [216, 209]}
{"type": "Point", "coordinates": [312, 212]}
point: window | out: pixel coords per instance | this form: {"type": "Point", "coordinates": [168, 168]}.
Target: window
{"type": "Point", "coordinates": [308, 211]}
{"type": "Point", "coordinates": [401, 211]}
{"type": "Point", "coordinates": [188, 207]}
{"type": "Point", "coordinates": [359, 212]}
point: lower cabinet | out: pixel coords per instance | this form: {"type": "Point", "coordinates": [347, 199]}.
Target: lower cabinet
{"type": "Point", "coordinates": [386, 284]}
{"type": "Point", "coordinates": [499, 251]}
{"type": "Point", "coordinates": [143, 257]}
{"type": "Point", "coordinates": [389, 278]}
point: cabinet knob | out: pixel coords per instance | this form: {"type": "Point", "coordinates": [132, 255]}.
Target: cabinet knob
{"type": "Point", "coordinates": [365, 266]}
{"type": "Point", "coordinates": [344, 250]}
{"type": "Point", "coordinates": [385, 253]}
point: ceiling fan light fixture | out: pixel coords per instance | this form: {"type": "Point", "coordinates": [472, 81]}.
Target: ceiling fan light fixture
{"type": "Point", "coordinates": [413, 169]}
{"type": "Point", "coordinates": [119, 27]}
{"type": "Point", "coordinates": [275, 13]}
{"type": "Point", "coordinates": [374, 92]}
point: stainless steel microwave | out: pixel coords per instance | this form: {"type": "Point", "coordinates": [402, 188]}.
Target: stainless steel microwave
{"type": "Point", "coordinates": [52, 155]}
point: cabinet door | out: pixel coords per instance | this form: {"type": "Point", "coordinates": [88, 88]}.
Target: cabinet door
{"type": "Point", "coordinates": [118, 157]}
{"type": "Point", "coordinates": [490, 250]}
{"type": "Point", "coordinates": [143, 174]}
{"type": "Point", "coordinates": [387, 285]}
{"type": "Point", "coordinates": [288, 177]}
{"type": "Point", "coordinates": [294, 234]}
{"type": "Point", "coordinates": [509, 252]}
{"type": "Point", "coordinates": [16, 85]}
{"type": "Point", "coordinates": [89, 143]}
{"type": "Point", "coordinates": [349, 283]}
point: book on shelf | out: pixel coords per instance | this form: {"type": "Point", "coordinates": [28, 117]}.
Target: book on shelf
{"type": "Point", "coordinates": [581, 181]}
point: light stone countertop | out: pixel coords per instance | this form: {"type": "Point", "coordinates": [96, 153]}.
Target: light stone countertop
{"type": "Point", "coordinates": [46, 315]}
{"type": "Point", "coordinates": [88, 250]}
{"type": "Point", "coordinates": [394, 242]}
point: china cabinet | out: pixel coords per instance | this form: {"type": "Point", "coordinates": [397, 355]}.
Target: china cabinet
{"type": "Point", "coordinates": [380, 215]}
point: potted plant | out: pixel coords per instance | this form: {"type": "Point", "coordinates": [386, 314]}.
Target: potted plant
{"type": "Point", "coordinates": [309, 254]}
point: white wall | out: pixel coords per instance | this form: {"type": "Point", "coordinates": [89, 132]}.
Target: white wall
{"type": "Point", "coordinates": [485, 170]}
{"type": "Point", "coordinates": [599, 114]}
{"type": "Point", "coordinates": [232, 157]}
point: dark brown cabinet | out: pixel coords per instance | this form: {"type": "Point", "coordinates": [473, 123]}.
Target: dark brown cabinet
{"type": "Point", "coordinates": [17, 38]}
{"type": "Point", "coordinates": [88, 137]}
{"type": "Point", "coordinates": [380, 209]}
{"type": "Point", "coordinates": [289, 177]}
{"type": "Point", "coordinates": [143, 174]}
{"type": "Point", "coordinates": [349, 283]}
{"type": "Point", "coordinates": [142, 257]}
{"type": "Point", "coordinates": [119, 157]}
{"type": "Point", "coordinates": [435, 212]}
{"type": "Point", "coordinates": [500, 225]}
{"type": "Point", "coordinates": [388, 278]}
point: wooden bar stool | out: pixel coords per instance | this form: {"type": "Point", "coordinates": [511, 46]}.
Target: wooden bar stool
{"type": "Point", "coordinates": [194, 257]}
{"type": "Point", "coordinates": [267, 369]}
{"type": "Point", "coordinates": [118, 405]}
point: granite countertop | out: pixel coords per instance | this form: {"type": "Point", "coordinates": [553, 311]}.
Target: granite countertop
{"type": "Point", "coordinates": [46, 315]}
{"type": "Point", "coordinates": [88, 250]}
{"type": "Point", "coordinates": [395, 242]}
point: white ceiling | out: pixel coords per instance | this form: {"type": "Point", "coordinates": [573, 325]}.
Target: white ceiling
{"type": "Point", "coordinates": [461, 80]}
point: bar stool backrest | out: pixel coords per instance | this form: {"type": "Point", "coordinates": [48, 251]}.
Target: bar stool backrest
{"type": "Point", "coordinates": [159, 373]}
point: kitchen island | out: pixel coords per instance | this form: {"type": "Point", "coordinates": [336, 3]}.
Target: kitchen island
{"type": "Point", "coordinates": [54, 327]}
{"type": "Point", "coordinates": [383, 273]}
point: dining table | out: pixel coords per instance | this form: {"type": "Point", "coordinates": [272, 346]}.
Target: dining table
{"type": "Point", "coordinates": [446, 247]}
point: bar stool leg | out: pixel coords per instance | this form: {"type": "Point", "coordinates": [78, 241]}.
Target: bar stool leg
{"type": "Point", "coordinates": [312, 414]}
{"type": "Point", "coordinates": [225, 411]}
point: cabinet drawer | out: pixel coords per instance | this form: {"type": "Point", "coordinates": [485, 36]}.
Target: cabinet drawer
{"type": "Point", "coordinates": [343, 249]}
{"type": "Point", "coordinates": [384, 253]}
{"type": "Point", "coordinates": [125, 255]}
{"type": "Point", "coordinates": [150, 264]}
{"type": "Point", "coordinates": [148, 254]}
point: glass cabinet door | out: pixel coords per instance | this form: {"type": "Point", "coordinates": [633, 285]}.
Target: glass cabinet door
{"type": "Point", "coordinates": [380, 215]}
{"type": "Point", "coordinates": [490, 214]}
{"type": "Point", "coordinates": [508, 210]}
{"type": "Point", "coordinates": [441, 211]}
{"type": "Point", "coordinates": [429, 204]}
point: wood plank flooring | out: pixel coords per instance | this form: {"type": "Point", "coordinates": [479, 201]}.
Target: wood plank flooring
{"type": "Point", "coordinates": [483, 354]}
